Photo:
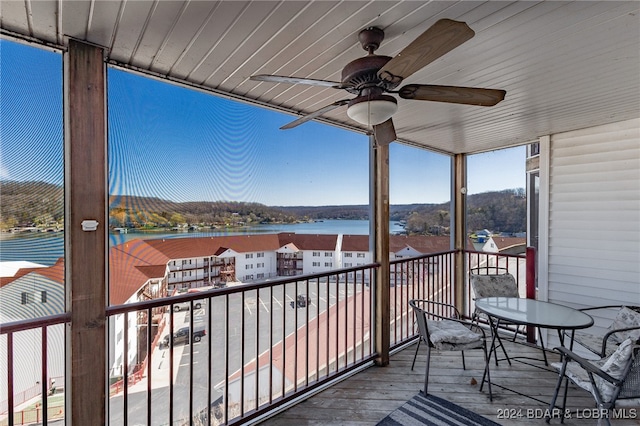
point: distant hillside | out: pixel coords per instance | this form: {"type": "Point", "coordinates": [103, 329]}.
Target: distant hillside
{"type": "Point", "coordinates": [40, 204]}
{"type": "Point", "coordinates": [136, 212]}
{"type": "Point", "coordinates": [351, 212]}
{"type": "Point", "coordinates": [499, 211]}
{"type": "Point", "coordinates": [503, 211]}
{"type": "Point", "coordinates": [30, 204]}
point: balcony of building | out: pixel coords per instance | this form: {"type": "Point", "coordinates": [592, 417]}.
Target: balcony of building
{"type": "Point", "coordinates": [316, 359]}
{"type": "Point", "coordinates": [326, 333]}
{"type": "Point", "coordinates": [570, 71]}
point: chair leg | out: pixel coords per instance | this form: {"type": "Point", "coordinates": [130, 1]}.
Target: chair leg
{"type": "Point", "coordinates": [426, 373]}
{"type": "Point", "coordinates": [486, 374]}
{"type": "Point", "coordinates": [464, 366]}
{"type": "Point", "coordinates": [564, 398]}
{"type": "Point", "coordinates": [552, 404]}
{"type": "Point", "coordinates": [416, 354]}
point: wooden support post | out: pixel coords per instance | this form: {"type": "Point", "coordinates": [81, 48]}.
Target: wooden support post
{"type": "Point", "coordinates": [459, 235]}
{"type": "Point", "coordinates": [85, 201]}
{"type": "Point", "coordinates": [381, 236]}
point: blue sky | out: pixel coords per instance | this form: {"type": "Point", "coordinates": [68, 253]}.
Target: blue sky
{"type": "Point", "coordinates": [184, 145]}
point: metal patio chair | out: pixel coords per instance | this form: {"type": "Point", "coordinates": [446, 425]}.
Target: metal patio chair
{"type": "Point", "coordinates": [487, 284]}
{"type": "Point", "coordinates": [440, 327]}
{"type": "Point", "coordinates": [626, 324]}
{"type": "Point", "coordinates": [613, 381]}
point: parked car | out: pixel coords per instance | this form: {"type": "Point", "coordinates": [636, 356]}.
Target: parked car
{"type": "Point", "coordinates": [302, 300]}
{"type": "Point", "coordinates": [185, 306]}
{"type": "Point", "coordinates": [181, 336]}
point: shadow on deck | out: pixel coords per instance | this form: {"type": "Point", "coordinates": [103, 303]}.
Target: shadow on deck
{"type": "Point", "coordinates": [367, 397]}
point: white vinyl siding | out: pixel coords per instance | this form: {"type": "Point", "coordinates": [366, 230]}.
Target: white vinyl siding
{"type": "Point", "coordinates": [594, 216]}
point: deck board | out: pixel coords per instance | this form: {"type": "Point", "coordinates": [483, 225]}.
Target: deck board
{"type": "Point", "coordinates": [367, 397]}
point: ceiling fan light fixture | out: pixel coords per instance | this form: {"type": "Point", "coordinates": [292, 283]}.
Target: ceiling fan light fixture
{"type": "Point", "coordinates": [372, 111]}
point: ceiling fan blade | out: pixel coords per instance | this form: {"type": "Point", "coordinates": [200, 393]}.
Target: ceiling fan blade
{"type": "Point", "coordinates": [384, 132]}
{"type": "Point", "coordinates": [296, 80]}
{"type": "Point", "coordinates": [314, 114]}
{"type": "Point", "coordinates": [442, 37]}
{"type": "Point", "coordinates": [452, 94]}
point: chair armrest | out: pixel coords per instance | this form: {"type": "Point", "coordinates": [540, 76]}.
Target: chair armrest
{"type": "Point", "coordinates": [471, 326]}
{"type": "Point", "coordinates": [420, 304]}
{"type": "Point", "coordinates": [567, 355]}
{"type": "Point", "coordinates": [606, 337]}
{"type": "Point", "coordinates": [595, 308]}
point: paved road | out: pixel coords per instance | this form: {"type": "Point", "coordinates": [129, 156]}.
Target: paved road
{"type": "Point", "coordinates": [274, 313]}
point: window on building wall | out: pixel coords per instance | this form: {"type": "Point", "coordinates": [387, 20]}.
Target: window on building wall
{"type": "Point", "coordinates": [248, 256]}
{"type": "Point", "coordinates": [316, 254]}
{"type": "Point", "coordinates": [259, 276]}
{"type": "Point", "coordinates": [361, 255]}
{"type": "Point", "coordinates": [260, 265]}
{"type": "Point", "coordinates": [260, 254]}
{"type": "Point", "coordinates": [25, 298]}
{"type": "Point", "coordinates": [328, 254]}
{"type": "Point", "coordinates": [316, 263]}
{"type": "Point", "coordinates": [348, 265]}
{"type": "Point", "coordinates": [348, 255]}
{"type": "Point", "coordinates": [328, 264]}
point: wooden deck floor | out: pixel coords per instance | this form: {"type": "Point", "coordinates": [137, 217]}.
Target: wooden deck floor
{"type": "Point", "coordinates": [367, 397]}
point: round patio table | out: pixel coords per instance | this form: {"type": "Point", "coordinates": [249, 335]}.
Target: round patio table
{"type": "Point", "coordinates": [530, 312]}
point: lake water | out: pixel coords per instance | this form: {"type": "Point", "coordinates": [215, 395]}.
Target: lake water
{"type": "Point", "coordinates": [47, 248]}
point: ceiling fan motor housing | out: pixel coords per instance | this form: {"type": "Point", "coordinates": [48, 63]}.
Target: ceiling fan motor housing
{"type": "Point", "coordinates": [363, 72]}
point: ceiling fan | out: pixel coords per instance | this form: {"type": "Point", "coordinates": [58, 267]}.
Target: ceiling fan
{"type": "Point", "coordinates": [371, 76]}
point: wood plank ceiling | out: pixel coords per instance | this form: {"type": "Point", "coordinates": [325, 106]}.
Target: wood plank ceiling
{"type": "Point", "coordinates": [564, 65]}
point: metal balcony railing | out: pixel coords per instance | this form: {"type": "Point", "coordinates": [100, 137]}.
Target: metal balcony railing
{"type": "Point", "coordinates": [423, 277]}
{"type": "Point", "coordinates": [46, 338]}
{"type": "Point", "coordinates": [246, 350]}
{"type": "Point", "coordinates": [234, 355]}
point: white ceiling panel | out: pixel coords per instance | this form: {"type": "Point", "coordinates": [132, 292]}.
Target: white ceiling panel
{"type": "Point", "coordinates": [564, 65]}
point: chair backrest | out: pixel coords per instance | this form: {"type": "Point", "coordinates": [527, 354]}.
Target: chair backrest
{"type": "Point", "coordinates": [631, 385]}
{"type": "Point", "coordinates": [494, 285]}
{"type": "Point", "coordinates": [421, 319]}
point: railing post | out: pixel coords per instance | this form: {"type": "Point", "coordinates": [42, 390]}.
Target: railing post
{"type": "Point", "coordinates": [531, 286]}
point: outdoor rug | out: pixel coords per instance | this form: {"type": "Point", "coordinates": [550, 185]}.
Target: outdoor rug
{"type": "Point", "coordinates": [432, 410]}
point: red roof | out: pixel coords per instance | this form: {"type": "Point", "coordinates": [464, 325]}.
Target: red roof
{"type": "Point", "coordinates": [54, 272]}
{"type": "Point", "coordinates": [309, 241]}
{"type": "Point", "coordinates": [421, 243]}
{"type": "Point", "coordinates": [185, 248]}
{"type": "Point", "coordinates": [130, 265]}
{"type": "Point", "coordinates": [355, 243]}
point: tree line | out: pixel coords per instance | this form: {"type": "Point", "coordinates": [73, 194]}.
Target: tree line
{"type": "Point", "coordinates": [40, 204]}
